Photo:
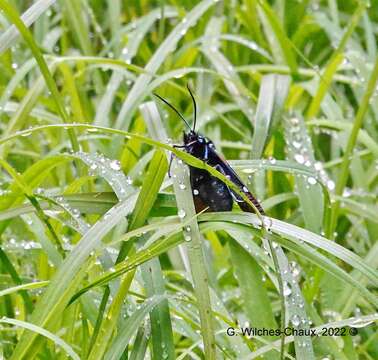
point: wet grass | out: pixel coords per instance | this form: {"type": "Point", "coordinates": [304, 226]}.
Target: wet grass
{"type": "Point", "coordinates": [102, 254]}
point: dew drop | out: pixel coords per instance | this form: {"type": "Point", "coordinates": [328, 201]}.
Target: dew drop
{"type": "Point", "coordinates": [181, 213]}
{"type": "Point", "coordinates": [76, 213]}
{"type": "Point", "coordinates": [187, 237]}
{"type": "Point", "coordinates": [318, 166]}
{"type": "Point", "coordinates": [299, 158]}
{"type": "Point", "coordinates": [296, 144]}
{"type": "Point", "coordinates": [115, 165]}
{"type": "Point", "coordinates": [346, 192]}
{"type": "Point", "coordinates": [295, 320]}
{"type": "Point", "coordinates": [286, 289]}
{"type": "Point", "coordinates": [308, 163]}
{"type": "Point", "coordinates": [311, 180]}
{"type": "Point", "coordinates": [272, 160]}
{"type": "Point", "coordinates": [25, 134]}
{"type": "Point", "coordinates": [295, 121]}
{"type": "Point", "coordinates": [330, 185]}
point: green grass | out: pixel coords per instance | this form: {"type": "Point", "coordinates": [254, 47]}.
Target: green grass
{"type": "Point", "coordinates": [102, 255]}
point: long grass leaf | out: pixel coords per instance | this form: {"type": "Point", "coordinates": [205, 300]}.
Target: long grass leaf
{"type": "Point", "coordinates": [135, 95]}
{"type": "Point", "coordinates": [28, 17]}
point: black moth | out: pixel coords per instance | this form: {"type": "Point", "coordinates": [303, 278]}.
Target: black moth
{"type": "Point", "coordinates": [208, 191]}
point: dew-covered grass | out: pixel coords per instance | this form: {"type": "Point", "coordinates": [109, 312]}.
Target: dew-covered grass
{"type": "Point", "coordinates": [102, 254]}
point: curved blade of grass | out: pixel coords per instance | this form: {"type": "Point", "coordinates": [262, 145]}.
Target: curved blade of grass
{"type": "Point", "coordinates": [135, 95]}
{"type": "Point", "coordinates": [362, 135]}
{"type": "Point", "coordinates": [223, 66]}
{"type": "Point", "coordinates": [151, 185]}
{"type": "Point", "coordinates": [13, 16]}
{"type": "Point", "coordinates": [129, 326]}
{"type": "Point", "coordinates": [291, 167]}
{"type": "Point", "coordinates": [184, 198]}
{"type": "Point", "coordinates": [33, 285]}
{"type": "Point", "coordinates": [87, 203]}
{"type": "Point", "coordinates": [300, 149]}
{"type": "Point", "coordinates": [75, 220]}
{"type": "Point", "coordinates": [181, 183]}
{"type": "Point", "coordinates": [334, 62]}
{"type": "Point", "coordinates": [255, 296]}
{"type": "Point", "coordinates": [39, 330]}
{"type": "Point", "coordinates": [329, 105]}
{"type": "Point", "coordinates": [9, 267]}
{"type": "Point", "coordinates": [263, 117]}
{"type": "Point", "coordinates": [296, 233]}
{"type": "Point", "coordinates": [15, 81]}
{"type": "Point", "coordinates": [157, 131]}
{"type": "Point", "coordinates": [161, 324]}
{"type": "Point", "coordinates": [77, 18]}
{"type": "Point", "coordinates": [19, 118]}
{"type": "Point", "coordinates": [288, 236]}
{"type": "Point", "coordinates": [156, 173]}
{"type": "Point", "coordinates": [60, 289]}
{"type": "Point", "coordinates": [172, 239]}
{"type": "Point", "coordinates": [140, 343]}
{"type": "Point", "coordinates": [36, 113]}
{"type": "Point", "coordinates": [280, 36]}
{"type": "Point", "coordinates": [33, 176]}
{"type": "Point", "coordinates": [318, 330]}
{"type": "Point", "coordinates": [109, 169]}
{"type": "Point", "coordinates": [28, 17]}
{"type": "Point", "coordinates": [136, 37]}
{"type": "Point", "coordinates": [346, 302]}
{"type": "Point", "coordinates": [272, 95]}
{"type": "Point", "coordinates": [28, 193]}
{"type": "Point", "coordinates": [354, 207]}
{"type": "Point", "coordinates": [303, 345]}
{"type": "Point", "coordinates": [343, 177]}
{"type": "Point", "coordinates": [189, 159]}
{"type": "Point", "coordinates": [37, 227]}
{"type": "Point", "coordinates": [295, 305]}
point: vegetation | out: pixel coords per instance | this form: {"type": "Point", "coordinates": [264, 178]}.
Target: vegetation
{"type": "Point", "coordinates": [102, 254]}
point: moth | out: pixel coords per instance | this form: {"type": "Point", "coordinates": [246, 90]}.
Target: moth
{"type": "Point", "coordinates": [208, 191]}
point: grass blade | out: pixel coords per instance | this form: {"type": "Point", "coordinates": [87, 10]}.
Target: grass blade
{"type": "Point", "coordinates": [43, 332]}
{"type": "Point", "coordinates": [135, 95]}
{"type": "Point", "coordinates": [28, 17]}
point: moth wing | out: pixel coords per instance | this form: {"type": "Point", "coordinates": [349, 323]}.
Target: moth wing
{"type": "Point", "coordinates": [224, 167]}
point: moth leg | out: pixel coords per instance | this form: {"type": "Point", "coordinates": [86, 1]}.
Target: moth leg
{"type": "Point", "coordinates": [170, 164]}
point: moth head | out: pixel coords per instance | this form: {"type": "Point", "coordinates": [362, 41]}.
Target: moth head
{"type": "Point", "coordinates": [192, 137]}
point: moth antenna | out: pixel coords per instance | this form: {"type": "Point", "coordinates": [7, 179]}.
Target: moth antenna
{"type": "Point", "coordinates": [194, 108]}
{"type": "Point", "coordinates": [174, 109]}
